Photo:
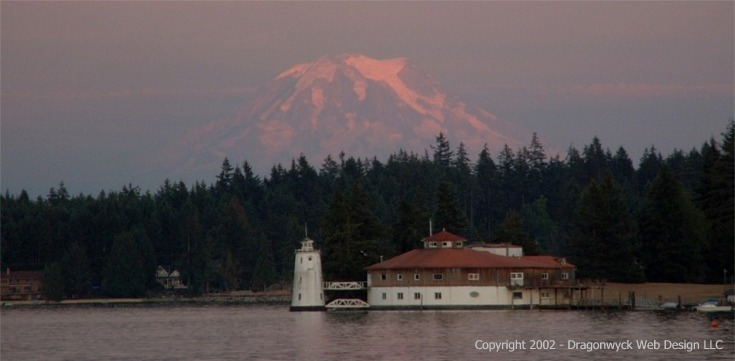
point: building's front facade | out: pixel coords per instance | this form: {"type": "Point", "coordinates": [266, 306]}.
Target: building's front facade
{"type": "Point", "coordinates": [21, 285]}
{"type": "Point", "coordinates": [445, 274]}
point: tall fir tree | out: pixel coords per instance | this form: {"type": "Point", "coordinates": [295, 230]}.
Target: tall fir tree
{"type": "Point", "coordinates": [412, 225]}
{"type": "Point", "coordinates": [352, 234]}
{"type": "Point", "coordinates": [77, 273]}
{"type": "Point", "coordinates": [604, 237]}
{"type": "Point", "coordinates": [264, 273]}
{"type": "Point", "coordinates": [486, 206]}
{"type": "Point", "coordinates": [449, 213]}
{"type": "Point", "coordinates": [53, 282]}
{"type": "Point", "coordinates": [124, 274]}
{"type": "Point", "coordinates": [672, 232]}
{"type": "Point", "coordinates": [717, 202]}
{"type": "Point", "coordinates": [513, 231]}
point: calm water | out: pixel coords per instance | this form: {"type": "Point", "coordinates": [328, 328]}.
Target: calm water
{"type": "Point", "coordinates": [273, 333]}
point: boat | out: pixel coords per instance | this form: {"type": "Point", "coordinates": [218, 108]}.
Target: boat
{"type": "Point", "coordinates": [713, 305]}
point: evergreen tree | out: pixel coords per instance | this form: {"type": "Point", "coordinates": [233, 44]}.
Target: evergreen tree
{"type": "Point", "coordinates": [53, 282]}
{"type": "Point", "coordinates": [486, 207]}
{"type": "Point", "coordinates": [622, 169]}
{"type": "Point", "coordinates": [716, 199]}
{"type": "Point", "coordinates": [541, 227]}
{"type": "Point", "coordinates": [649, 168]}
{"type": "Point", "coordinates": [508, 182]}
{"type": "Point", "coordinates": [230, 271]}
{"type": "Point", "coordinates": [412, 225]}
{"type": "Point", "coordinates": [461, 177]}
{"type": "Point", "coordinates": [224, 178]}
{"type": "Point", "coordinates": [352, 235]}
{"type": "Point", "coordinates": [449, 214]}
{"type": "Point", "coordinates": [595, 160]}
{"type": "Point", "coordinates": [604, 239]}
{"type": "Point", "coordinates": [513, 231]}
{"type": "Point", "coordinates": [76, 270]}
{"type": "Point", "coordinates": [672, 232]}
{"type": "Point", "coordinates": [124, 274]}
{"type": "Point", "coordinates": [442, 152]}
{"type": "Point", "coordinates": [264, 273]}
{"type": "Point", "coordinates": [536, 160]}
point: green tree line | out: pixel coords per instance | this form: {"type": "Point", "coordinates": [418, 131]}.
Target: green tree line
{"type": "Point", "coordinates": [669, 220]}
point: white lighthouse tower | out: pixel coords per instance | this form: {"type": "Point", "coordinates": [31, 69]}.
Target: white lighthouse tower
{"type": "Point", "coordinates": [308, 291]}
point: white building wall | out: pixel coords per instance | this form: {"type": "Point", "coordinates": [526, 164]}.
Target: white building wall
{"type": "Point", "coordinates": [451, 296]}
{"type": "Point", "coordinates": [501, 251]}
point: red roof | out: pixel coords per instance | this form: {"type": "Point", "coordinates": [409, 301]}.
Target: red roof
{"type": "Point", "coordinates": [464, 258]}
{"type": "Point", "coordinates": [549, 261]}
{"type": "Point", "coordinates": [444, 236]}
{"type": "Point", "coordinates": [31, 275]}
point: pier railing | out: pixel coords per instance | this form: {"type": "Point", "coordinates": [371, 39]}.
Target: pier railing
{"type": "Point", "coordinates": [344, 286]}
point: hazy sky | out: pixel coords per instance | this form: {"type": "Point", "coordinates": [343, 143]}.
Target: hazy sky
{"type": "Point", "coordinates": [90, 89]}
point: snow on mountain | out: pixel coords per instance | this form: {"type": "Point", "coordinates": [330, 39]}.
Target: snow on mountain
{"type": "Point", "coordinates": [365, 107]}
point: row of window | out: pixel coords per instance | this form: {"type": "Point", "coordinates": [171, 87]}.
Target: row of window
{"type": "Point", "coordinates": [416, 295]}
{"type": "Point", "coordinates": [438, 295]}
{"type": "Point", "coordinates": [445, 244]}
{"type": "Point", "coordinates": [472, 276]}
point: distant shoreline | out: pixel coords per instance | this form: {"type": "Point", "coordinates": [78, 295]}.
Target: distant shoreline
{"type": "Point", "coordinates": [234, 298]}
{"type": "Point", "coordinates": [663, 292]}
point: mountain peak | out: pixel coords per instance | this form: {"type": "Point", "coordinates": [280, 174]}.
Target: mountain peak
{"type": "Point", "coordinates": [348, 102]}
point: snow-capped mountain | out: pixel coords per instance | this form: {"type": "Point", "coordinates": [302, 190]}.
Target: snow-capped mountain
{"type": "Point", "coordinates": [349, 102]}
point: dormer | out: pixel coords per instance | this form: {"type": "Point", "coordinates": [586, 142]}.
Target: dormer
{"type": "Point", "coordinates": [444, 239]}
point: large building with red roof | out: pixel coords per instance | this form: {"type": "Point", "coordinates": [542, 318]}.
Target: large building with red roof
{"type": "Point", "coordinates": [448, 274]}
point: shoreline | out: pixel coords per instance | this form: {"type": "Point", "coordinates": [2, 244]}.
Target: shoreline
{"type": "Point", "coordinates": [211, 299]}
{"type": "Point", "coordinates": [689, 294]}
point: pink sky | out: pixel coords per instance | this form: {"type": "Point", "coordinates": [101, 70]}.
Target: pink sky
{"type": "Point", "coordinates": [88, 88]}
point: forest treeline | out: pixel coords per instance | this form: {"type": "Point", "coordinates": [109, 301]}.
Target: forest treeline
{"type": "Point", "coordinates": [669, 220]}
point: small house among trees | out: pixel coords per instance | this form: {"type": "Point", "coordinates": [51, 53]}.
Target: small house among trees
{"type": "Point", "coordinates": [21, 285]}
{"type": "Point", "coordinates": [169, 281]}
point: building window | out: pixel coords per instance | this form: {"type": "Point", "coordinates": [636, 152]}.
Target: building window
{"type": "Point", "coordinates": [400, 295]}
{"type": "Point", "coordinates": [438, 276]}
{"type": "Point", "coordinates": [299, 297]}
{"type": "Point", "coordinates": [417, 295]}
{"type": "Point", "coordinates": [301, 259]}
{"type": "Point", "coordinates": [545, 276]}
{"type": "Point", "coordinates": [545, 294]}
{"type": "Point", "coordinates": [385, 296]}
{"type": "Point", "coordinates": [446, 244]}
{"type": "Point", "coordinates": [517, 295]}
{"type": "Point", "coordinates": [433, 244]}
{"type": "Point", "coordinates": [458, 244]}
{"type": "Point", "coordinates": [437, 295]}
{"type": "Point", "coordinates": [309, 258]}
{"type": "Point", "coordinates": [383, 276]}
{"type": "Point", "coordinates": [473, 276]}
{"type": "Point", "coordinates": [399, 277]}
{"type": "Point", "coordinates": [565, 276]}
{"type": "Point", "coordinates": [516, 278]}
{"type": "Point", "coordinates": [416, 277]}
